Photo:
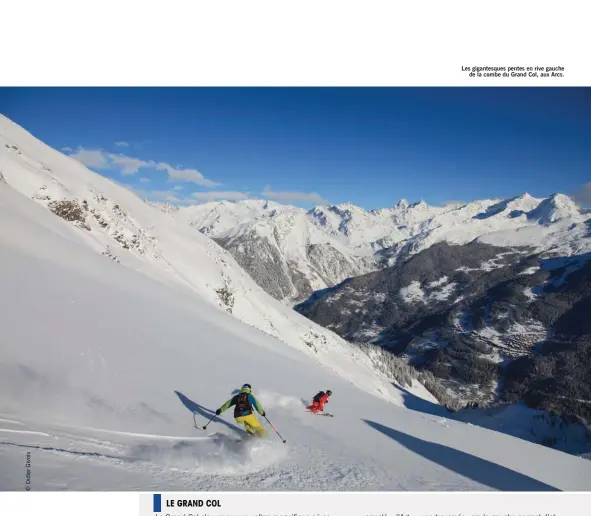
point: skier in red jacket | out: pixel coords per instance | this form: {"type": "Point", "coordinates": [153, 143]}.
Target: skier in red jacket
{"type": "Point", "coordinates": [318, 402]}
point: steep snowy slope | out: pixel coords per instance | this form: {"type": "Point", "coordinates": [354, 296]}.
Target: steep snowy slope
{"type": "Point", "coordinates": [114, 222]}
{"type": "Point", "coordinates": [101, 368]}
{"type": "Point", "coordinates": [305, 251]}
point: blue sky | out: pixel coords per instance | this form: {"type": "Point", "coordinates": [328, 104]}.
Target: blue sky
{"type": "Point", "coordinates": [368, 146]}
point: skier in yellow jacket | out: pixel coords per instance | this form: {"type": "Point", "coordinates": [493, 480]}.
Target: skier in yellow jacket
{"type": "Point", "coordinates": [243, 404]}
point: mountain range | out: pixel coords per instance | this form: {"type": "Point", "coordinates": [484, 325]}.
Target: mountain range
{"type": "Point", "coordinates": [292, 252]}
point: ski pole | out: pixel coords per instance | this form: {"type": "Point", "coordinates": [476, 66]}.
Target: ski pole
{"type": "Point", "coordinates": [205, 427]}
{"type": "Point", "coordinates": [273, 427]}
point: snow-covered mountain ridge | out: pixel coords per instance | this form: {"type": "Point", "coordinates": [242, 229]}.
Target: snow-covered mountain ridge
{"type": "Point", "coordinates": [114, 222]}
{"type": "Point", "coordinates": [292, 252]}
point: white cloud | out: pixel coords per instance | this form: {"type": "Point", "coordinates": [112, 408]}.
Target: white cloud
{"type": "Point", "coordinates": [582, 196]}
{"type": "Point", "coordinates": [67, 149]}
{"type": "Point", "coordinates": [178, 188]}
{"type": "Point", "coordinates": [453, 203]}
{"type": "Point", "coordinates": [122, 144]}
{"type": "Point", "coordinates": [128, 165]}
{"type": "Point", "coordinates": [215, 196]}
{"type": "Point", "coordinates": [287, 197]}
{"type": "Point", "coordinates": [145, 180]}
{"type": "Point", "coordinates": [187, 175]}
{"type": "Point", "coordinates": [91, 158]}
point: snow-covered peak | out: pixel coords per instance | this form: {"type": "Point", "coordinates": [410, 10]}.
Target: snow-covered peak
{"type": "Point", "coordinates": [512, 208]}
{"type": "Point", "coordinates": [256, 207]}
{"type": "Point", "coordinates": [524, 202]}
{"type": "Point", "coordinates": [554, 208]}
{"type": "Point", "coordinates": [261, 205]}
{"type": "Point", "coordinates": [165, 207]}
{"type": "Point", "coordinates": [525, 199]}
{"type": "Point", "coordinates": [346, 210]}
{"type": "Point", "coordinates": [421, 205]}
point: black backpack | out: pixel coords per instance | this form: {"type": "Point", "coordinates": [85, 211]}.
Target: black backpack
{"type": "Point", "coordinates": [318, 396]}
{"type": "Point", "coordinates": [243, 407]}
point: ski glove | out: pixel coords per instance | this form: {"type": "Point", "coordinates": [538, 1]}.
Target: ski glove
{"type": "Point", "coordinates": [263, 414]}
{"type": "Point", "coordinates": [218, 412]}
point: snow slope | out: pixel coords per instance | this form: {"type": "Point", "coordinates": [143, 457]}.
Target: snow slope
{"type": "Point", "coordinates": [354, 241]}
{"type": "Point", "coordinates": [101, 368]}
{"type": "Point", "coordinates": [532, 425]}
{"type": "Point", "coordinates": [112, 221]}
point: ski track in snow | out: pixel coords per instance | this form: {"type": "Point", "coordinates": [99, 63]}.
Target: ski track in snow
{"type": "Point", "coordinates": [28, 432]}
{"type": "Point", "coordinates": [11, 421]}
{"type": "Point", "coordinates": [201, 460]}
{"type": "Point", "coordinates": [212, 453]}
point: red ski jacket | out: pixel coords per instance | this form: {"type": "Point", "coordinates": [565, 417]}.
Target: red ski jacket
{"type": "Point", "coordinates": [323, 399]}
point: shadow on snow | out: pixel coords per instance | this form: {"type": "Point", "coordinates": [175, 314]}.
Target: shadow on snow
{"type": "Point", "coordinates": [206, 413]}
{"type": "Point", "coordinates": [477, 469]}
{"type": "Point", "coordinates": [417, 404]}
